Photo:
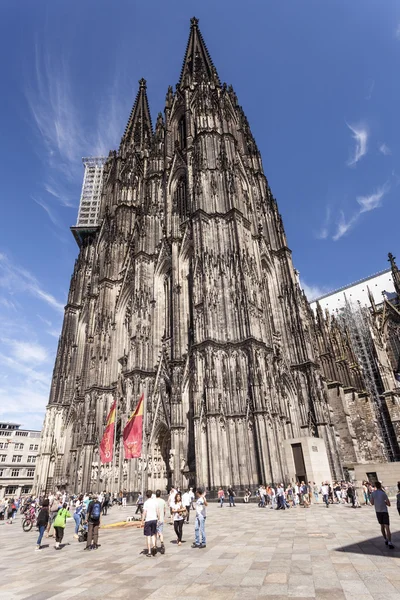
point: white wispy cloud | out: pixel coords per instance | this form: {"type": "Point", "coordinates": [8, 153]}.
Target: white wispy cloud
{"type": "Point", "coordinates": [27, 351]}
{"type": "Point", "coordinates": [374, 200]}
{"type": "Point", "coordinates": [360, 136]}
{"type": "Point", "coordinates": [49, 212]}
{"type": "Point", "coordinates": [312, 291]}
{"type": "Point", "coordinates": [66, 129]}
{"type": "Point", "coordinates": [16, 279]}
{"type": "Point", "coordinates": [384, 149]}
{"type": "Point", "coordinates": [371, 86]}
{"type": "Point", "coordinates": [366, 204]}
{"type": "Point", "coordinates": [323, 233]}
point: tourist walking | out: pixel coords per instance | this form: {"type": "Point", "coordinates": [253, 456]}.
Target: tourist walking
{"type": "Point", "coordinates": [325, 493]}
{"type": "Point", "coordinates": [150, 518]}
{"type": "Point", "coordinates": [178, 512]}
{"type": "Point", "coordinates": [55, 505]}
{"type": "Point", "coordinates": [192, 498]}
{"type": "Point", "coordinates": [200, 526]}
{"type": "Point", "coordinates": [42, 521]}
{"type": "Point", "coordinates": [171, 500]}
{"type": "Point", "coordinates": [316, 491]}
{"type": "Point", "coordinates": [139, 504]}
{"type": "Point", "coordinates": [77, 514]}
{"type": "Point", "coordinates": [221, 497]}
{"type": "Point", "coordinates": [106, 502]}
{"type": "Point", "coordinates": [304, 490]}
{"type": "Point", "coordinates": [59, 524]}
{"type": "Point", "coordinates": [186, 499]}
{"type": "Point", "coordinates": [231, 495]}
{"type": "Point", "coordinates": [93, 521]}
{"type": "Point", "coordinates": [162, 511]}
{"type": "Point", "coordinates": [381, 502]}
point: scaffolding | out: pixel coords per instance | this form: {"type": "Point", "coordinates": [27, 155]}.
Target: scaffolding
{"type": "Point", "coordinates": [356, 319]}
{"type": "Point", "coordinates": [89, 206]}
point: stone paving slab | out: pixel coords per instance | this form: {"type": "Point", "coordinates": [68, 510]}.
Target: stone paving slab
{"type": "Point", "coordinates": [314, 553]}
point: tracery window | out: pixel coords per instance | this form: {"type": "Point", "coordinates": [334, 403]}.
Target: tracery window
{"type": "Point", "coordinates": [182, 132]}
{"type": "Point", "coordinates": [181, 198]}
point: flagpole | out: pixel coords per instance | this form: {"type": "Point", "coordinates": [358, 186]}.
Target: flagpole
{"type": "Point", "coordinates": [114, 445]}
{"type": "Point", "coordinates": [144, 443]}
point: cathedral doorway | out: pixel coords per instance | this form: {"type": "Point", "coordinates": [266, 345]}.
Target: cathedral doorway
{"type": "Point", "coordinates": [158, 471]}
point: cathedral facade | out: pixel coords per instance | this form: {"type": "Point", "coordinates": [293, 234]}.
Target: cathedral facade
{"type": "Point", "coordinates": [185, 290]}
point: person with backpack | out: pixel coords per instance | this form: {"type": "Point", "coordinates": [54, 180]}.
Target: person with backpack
{"type": "Point", "coordinates": [55, 505]}
{"type": "Point", "coordinates": [231, 496]}
{"type": "Point", "coordinates": [77, 514]}
{"type": "Point", "coordinates": [42, 521]}
{"type": "Point", "coordinates": [59, 524]}
{"type": "Point", "coordinates": [93, 520]}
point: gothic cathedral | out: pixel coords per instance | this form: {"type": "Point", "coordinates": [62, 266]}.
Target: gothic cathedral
{"type": "Point", "coordinates": [185, 290]}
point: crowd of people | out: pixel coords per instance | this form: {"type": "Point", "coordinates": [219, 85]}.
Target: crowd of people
{"type": "Point", "coordinates": [50, 512]}
{"type": "Point", "coordinates": [300, 493]}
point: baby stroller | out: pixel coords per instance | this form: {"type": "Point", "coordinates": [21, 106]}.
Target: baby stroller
{"type": "Point", "coordinates": [83, 528]}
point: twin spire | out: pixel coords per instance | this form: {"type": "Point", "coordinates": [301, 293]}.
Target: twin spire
{"type": "Point", "coordinates": [197, 66]}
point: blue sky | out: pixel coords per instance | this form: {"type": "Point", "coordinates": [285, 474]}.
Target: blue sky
{"type": "Point", "coordinates": [317, 79]}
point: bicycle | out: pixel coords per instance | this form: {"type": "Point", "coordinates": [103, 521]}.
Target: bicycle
{"type": "Point", "coordinates": [30, 520]}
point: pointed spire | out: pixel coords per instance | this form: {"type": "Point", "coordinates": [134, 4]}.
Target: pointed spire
{"type": "Point", "coordinates": [395, 273]}
{"type": "Point", "coordinates": [139, 130]}
{"type": "Point", "coordinates": [197, 64]}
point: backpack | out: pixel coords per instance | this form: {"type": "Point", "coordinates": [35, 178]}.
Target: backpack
{"type": "Point", "coordinates": [95, 512]}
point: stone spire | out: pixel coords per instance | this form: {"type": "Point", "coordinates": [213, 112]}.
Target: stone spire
{"type": "Point", "coordinates": [395, 273]}
{"type": "Point", "coordinates": [197, 64]}
{"type": "Point", "coordinates": [139, 130]}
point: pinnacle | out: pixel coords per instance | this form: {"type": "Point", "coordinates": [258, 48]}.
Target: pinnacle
{"type": "Point", "coordinates": [139, 129]}
{"type": "Point", "coordinates": [197, 64]}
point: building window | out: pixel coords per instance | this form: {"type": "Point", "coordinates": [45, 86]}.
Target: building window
{"type": "Point", "coordinates": [26, 489]}
{"type": "Point", "coordinates": [16, 458]}
{"type": "Point", "coordinates": [30, 472]}
{"type": "Point", "coordinates": [10, 490]}
{"type": "Point", "coordinates": [1, 472]}
{"type": "Point", "coordinates": [181, 199]}
{"type": "Point", "coordinates": [14, 472]}
{"type": "Point", "coordinates": [31, 447]}
{"type": "Point", "coordinates": [31, 459]}
{"type": "Point", "coordinates": [3, 457]}
{"type": "Point", "coordinates": [18, 446]}
{"type": "Point", "coordinates": [36, 446]}
{"type": "Point", "coordinates": [182, 132]}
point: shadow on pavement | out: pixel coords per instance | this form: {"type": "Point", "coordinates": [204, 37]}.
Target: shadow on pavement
{"type": "Point", "coordinates": [374, 546]}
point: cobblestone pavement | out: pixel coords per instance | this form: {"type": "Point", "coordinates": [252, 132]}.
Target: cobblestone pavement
{"type": "Point", "coordinates": [328, 554]}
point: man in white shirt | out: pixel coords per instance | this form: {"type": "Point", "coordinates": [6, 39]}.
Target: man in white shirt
{"type": "Point", "coordinates": [150, 516]}
{"type": "Point", "coordinates": [186, 501]}
{"type": "Point", "coordinates": [192, 497]}
{"type": "Point", "coordinates": [162, 508]}
{"type": "Point", "coordinates": [325, 493]}
{"type": "Point", "coordinates": [200, 526]}
{"type": "Point", "coordinates": [381, 502]}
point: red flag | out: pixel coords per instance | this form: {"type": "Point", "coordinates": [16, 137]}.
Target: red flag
{"type": "Point", "coordinates": [133, 432]}
{"type": "Point", "coordinates": [107, 443]}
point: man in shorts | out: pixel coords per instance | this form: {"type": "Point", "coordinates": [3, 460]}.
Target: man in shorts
{"type": "Point", "coordinates": [381, 502]}
{"type": "Point", "coordinates": [150, 517]}
{"type": "Point", "coordinates": [162, 508]}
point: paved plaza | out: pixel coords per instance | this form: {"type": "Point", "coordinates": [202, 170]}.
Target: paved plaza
{"type": "Point", "coordinates": [328, 554]}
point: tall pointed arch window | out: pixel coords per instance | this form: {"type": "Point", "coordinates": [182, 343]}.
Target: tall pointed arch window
{"type": "Point", "coordinates": [182, 132]}
{"type": "Point", "coordinates": [181, 197]}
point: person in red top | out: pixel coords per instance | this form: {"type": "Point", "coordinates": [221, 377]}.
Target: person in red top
{"type": "Point", "coordinates": [221, 497]}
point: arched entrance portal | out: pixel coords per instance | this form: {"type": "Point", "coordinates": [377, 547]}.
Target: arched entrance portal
{"type": "Point", "coordinates": [158, 468]}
